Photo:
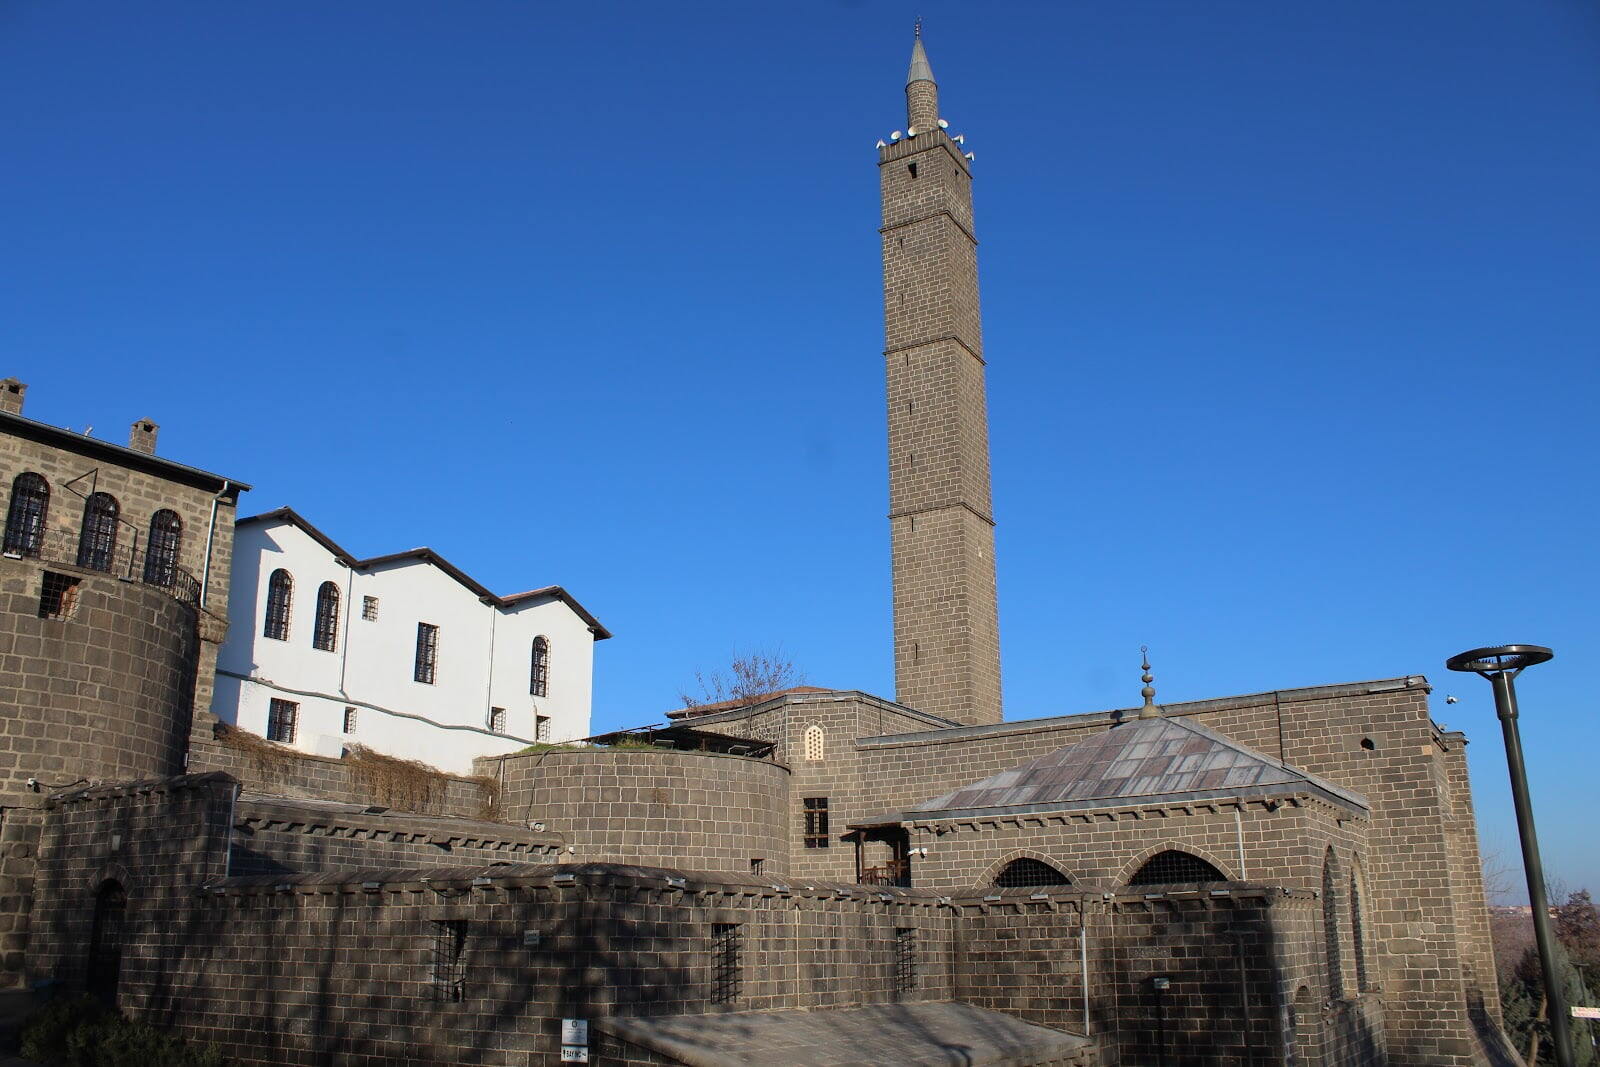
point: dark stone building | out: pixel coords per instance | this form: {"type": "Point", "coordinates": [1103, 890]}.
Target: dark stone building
{"type": "Point", "coordinates": [818, 877]}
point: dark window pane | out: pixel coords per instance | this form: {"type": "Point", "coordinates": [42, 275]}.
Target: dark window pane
{"type": "Point", "coordinates": [97, 543]}
{"type": "Point", "coordinates": [30, 503]}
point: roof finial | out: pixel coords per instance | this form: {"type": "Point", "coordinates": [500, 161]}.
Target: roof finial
{"type": "Point", "coordinates": [917, 31]}
{"type": "Point", "coordinates": [1149, 711]}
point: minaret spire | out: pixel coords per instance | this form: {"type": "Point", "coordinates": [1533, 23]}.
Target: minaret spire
{"type": "Point", "coordinates": [922, 92]}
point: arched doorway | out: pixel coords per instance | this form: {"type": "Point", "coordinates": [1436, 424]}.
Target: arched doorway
{"type": "Point", "coordinates": [105, 941]}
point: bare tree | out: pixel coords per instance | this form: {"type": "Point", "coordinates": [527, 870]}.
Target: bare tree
{"type": "Point", "coordinates": [749, 677]}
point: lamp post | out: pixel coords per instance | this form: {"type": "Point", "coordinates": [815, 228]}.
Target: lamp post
{"type": "Point", "coordinates": [1501, 665]}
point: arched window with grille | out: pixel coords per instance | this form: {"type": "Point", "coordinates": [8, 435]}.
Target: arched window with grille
{"type": "Point", "coordinates": [1358, 925]}
{"type": "Point", "coordinates": [539, 671]}
{"type": "Point", "coordinates": [325, 634]}
{"type": "Point", "coordinates": [1330, 926]}
{"type": "Point", "coordinates": [280, 596]}
{"type": "Point", "coordinates": [1028, 872]}
{"type": "Point", "coordinates": [815, 743]}
{"type": "Point", "coordinates": [97, 543]}
{"type": "Point", "coordinates": [30, 503]}
{"type": "Point", "coordinates": [1175, 867]}
{"type": "Point", "coordinates": [161, 550]}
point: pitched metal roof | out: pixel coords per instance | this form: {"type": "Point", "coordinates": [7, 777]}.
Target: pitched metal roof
{"type": "Point", "coordinates": [427, 555]}
{"type": "Point", "coordinates": [1145, 759]}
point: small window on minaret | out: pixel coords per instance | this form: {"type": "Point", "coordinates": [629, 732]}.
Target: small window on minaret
{"type": "Point", "coordinates": [911, 169]}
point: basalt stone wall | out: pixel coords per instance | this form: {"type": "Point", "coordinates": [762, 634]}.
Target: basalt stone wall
{"type": "Point", "coordinates": [281, 771]}
{"type": "Point", "coordinates": [351, 968]}
{"type": "Point", "coordinates": [159, 841]}
{"type": "Point", "coordinates": [100, 691]}
{"type": "Point", "coordinates": [653, 806]}
{"type": "Point", "coordinates": [1029, 952]}
{"type": "Point", "coordinates": [279, 837]}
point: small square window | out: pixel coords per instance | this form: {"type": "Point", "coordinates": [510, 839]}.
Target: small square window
{"type": "Point", "coordinates": [497, 720]}
{"type": "Point", "coordinates": [369, 608]}
{"type": "Point", "coordinates": [758, 866]}
{"type": "Point", "coordinates": [349, 720]}
{"type": "Point", "coordinates": [541, 727]}
{"type": "Point", "coordinates": [58, 595]}
{"type": "Point", "coordinates": [283, 716]}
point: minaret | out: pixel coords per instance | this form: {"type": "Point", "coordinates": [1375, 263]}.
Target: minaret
{"type": "Point", "coordinates": [946, 626]}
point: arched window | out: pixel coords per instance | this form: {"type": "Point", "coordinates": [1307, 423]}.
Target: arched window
{"type": "Point", "coordinates": [814, 742]}
{"type": "Point", "coordinates": [1173, 866]}
{"type": "Point", "coordinates": [1026, 872]}
{"type": "Point", "coordinates": [539, 673]}
{"type": "Point", "coordinates": [325, 634]}
{"type": "Point", "coordinates": [1330, 927]}
{"type": "Point", "coordinates": [97, 543]}
{"type": "Point", "coordinates": [161, 551]}
{"type": "Point", "coordinates": [30, 501]}
{"type": "Point", "coordinates": [105, 941]}
{"type": "Point", "coordinates": [1358, 923]}
{"type": "Point", "coordinates": [280, 594]}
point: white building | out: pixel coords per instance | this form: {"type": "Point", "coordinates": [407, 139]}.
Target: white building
{"type": "Point", "coordinates": [404, 654]}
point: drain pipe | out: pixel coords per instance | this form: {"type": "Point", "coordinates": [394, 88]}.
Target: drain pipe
{"type": "Point", "coordinates": [1083, 960]}
{"type": "Point", "coordinates": [1238, 836]}
{"type": "Point", "coordinates": [211, 538]}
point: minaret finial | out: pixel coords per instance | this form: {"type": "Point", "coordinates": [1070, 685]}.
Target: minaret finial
{"type": "Point", "coordinates": [1149, 711]}
{"type": "Point", "coordinates": [917, 30]}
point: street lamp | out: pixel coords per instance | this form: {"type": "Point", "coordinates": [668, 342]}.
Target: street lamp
{"type": "Point", "coordinates": [1501, 665]}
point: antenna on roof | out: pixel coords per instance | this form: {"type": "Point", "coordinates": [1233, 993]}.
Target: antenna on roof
{"type": "Point", "coordinates": [1149, 711]}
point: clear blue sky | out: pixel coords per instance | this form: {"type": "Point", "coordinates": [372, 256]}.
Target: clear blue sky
{"type": "Point", "coordinates": [1290, 312]}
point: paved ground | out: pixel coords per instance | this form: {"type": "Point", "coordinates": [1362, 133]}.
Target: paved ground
{"type": "Point", "coordinates": [908, 1034]}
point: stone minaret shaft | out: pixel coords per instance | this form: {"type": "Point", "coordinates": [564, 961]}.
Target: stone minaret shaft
{"type": "Point", "coordinates": [946, 626]}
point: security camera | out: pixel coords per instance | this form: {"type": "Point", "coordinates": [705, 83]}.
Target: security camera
{"type": "Point", "coordinates": [1450, 700]}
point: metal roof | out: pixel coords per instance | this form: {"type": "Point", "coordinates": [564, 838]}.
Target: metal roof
{"type": "Point", "coordinates": [920, 70]}
{"type": "Point", "coordinates": [1170, 759]}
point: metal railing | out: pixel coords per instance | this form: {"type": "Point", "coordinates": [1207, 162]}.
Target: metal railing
{"type": "Point", "coordinates": [894, 873]}
{"type": "Point", "coordinates": [123, 559]}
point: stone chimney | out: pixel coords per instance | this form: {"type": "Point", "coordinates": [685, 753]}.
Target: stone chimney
{"type": "Point", "coordinates": [11, 394]}
{"type": "Point", "coordinates": [142, 437]}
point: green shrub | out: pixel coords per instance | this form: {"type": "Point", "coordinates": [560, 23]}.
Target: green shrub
{"type": "Point", "coordinates": [82, 1032]}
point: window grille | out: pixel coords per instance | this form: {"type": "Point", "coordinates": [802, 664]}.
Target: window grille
{"type": "Point", "coordinates": [1172, 866]}
{"type": "Point", "coordinates": [448, 976]}
{"type": "Point", "coordinates": [497, 720]}
{"type": "Point", "coordinates": [30, 503]}
{"type": "Point", "coordinates": [814, 742]}
{"type": "Point", "coordinates": [541, 727]}
{"type": "Point", "coordinates": [758, 866]}
{"type": "Point", "coordinates": [905, 959]}
{"type": "Point", "coordinates": [369, 608]}
{"type": "Point", "coordinates": [280, 595]}
{"type": "Point", "coordinates": [325, 634]}
{"type": "Point", "coordinates": [816, 812]}
{"type": "Point", "coordinates": [1330, 928]}
{"type": "Point", "coordinates": [282, 718]}
{"type": "Point", "coordinates": [427, 653]}
{"type": "Point", "coordinates": [161, 550]}
{"type": "Point", "coordinates": [97, 543]}
{"type": "Point", "coordinates": [349, 720]}
{"type": "Point", "coordinates": [1357, 927]}
{"type": "Point", "coordinates": [725, 977]}
{"type": "Point", "coordinates": [539, 673]}
{"type": "Point", "coordinates": [1028, 872]}
{"type": "Point", "coordinates": [58, 595]}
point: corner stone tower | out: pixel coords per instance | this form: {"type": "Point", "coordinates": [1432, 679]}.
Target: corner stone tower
{"type": "Point", "coordinates": [946, 625]}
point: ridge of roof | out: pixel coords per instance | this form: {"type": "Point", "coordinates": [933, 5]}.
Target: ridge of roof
{"type": "Point", "coordinates": [427, 555]}
{"type": "Point", "coordinates": [128, 457]}
{"type": "Point", "coordinates": [1144, 758]}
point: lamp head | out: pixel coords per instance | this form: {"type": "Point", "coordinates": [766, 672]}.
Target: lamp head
{"type": "Point", "coordinates": [1487, 661]}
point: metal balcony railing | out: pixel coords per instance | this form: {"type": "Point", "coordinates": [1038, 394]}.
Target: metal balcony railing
{"type": "Point", "coordinates": [123, 558]}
